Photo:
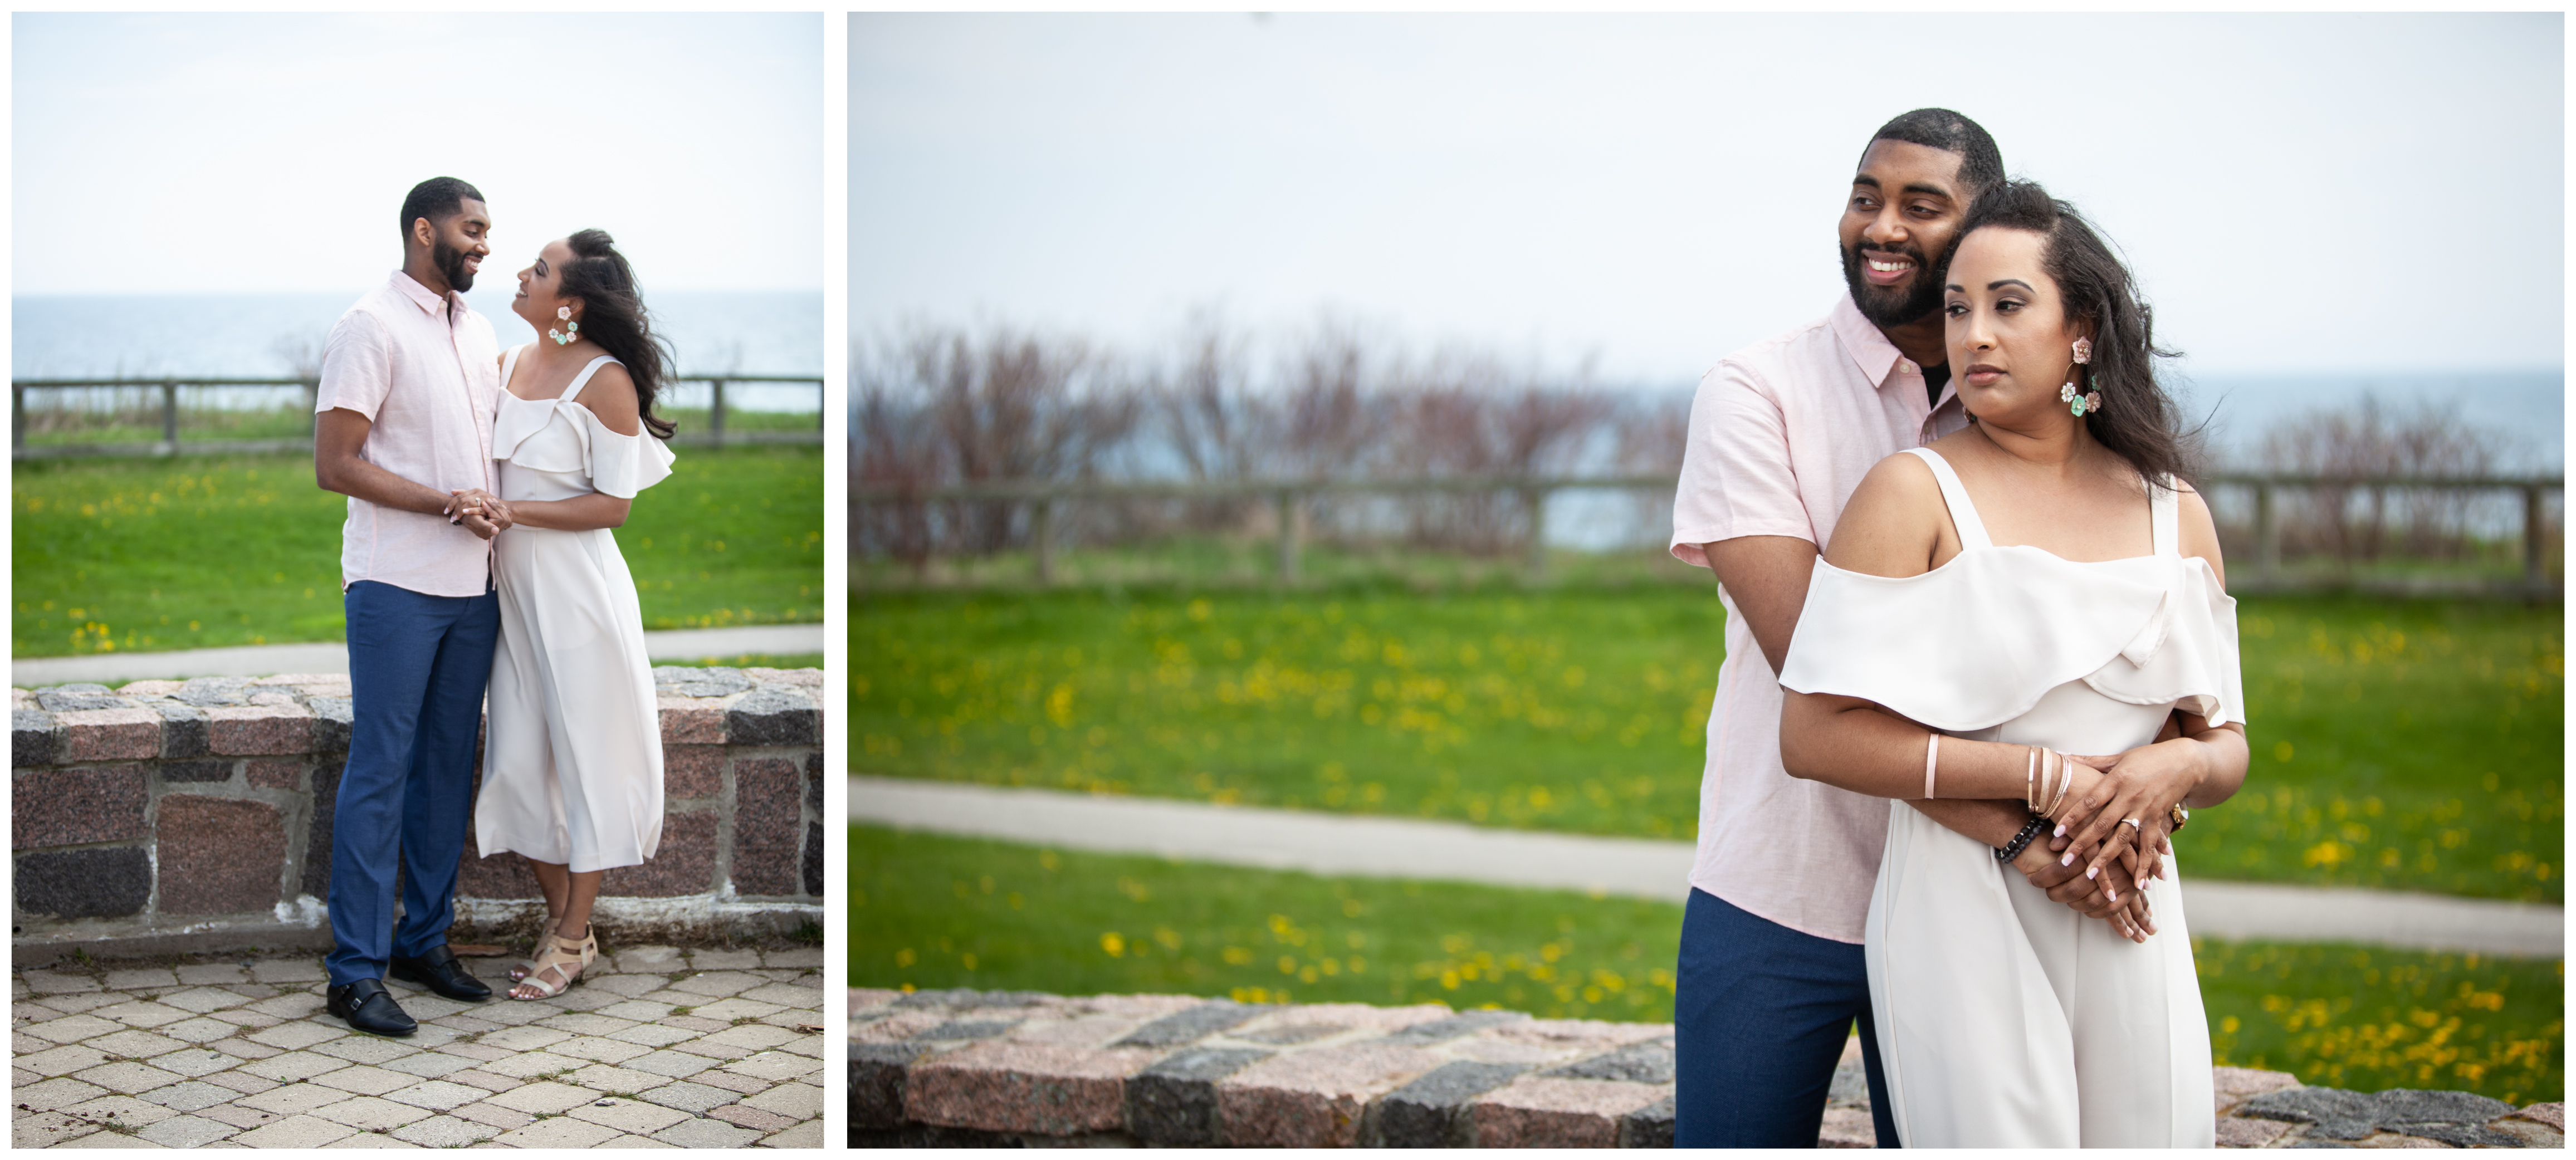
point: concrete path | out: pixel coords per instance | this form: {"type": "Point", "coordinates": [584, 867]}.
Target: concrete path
{"type": "Point", "coordinates": [656, 1047]}
{"type": "Point", "coordinates": [1633, 867]}
{"type": "Point", "coordinates": [686, 644]}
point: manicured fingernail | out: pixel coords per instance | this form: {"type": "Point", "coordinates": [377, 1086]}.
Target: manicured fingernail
{"type": "Point", "coordinates": [2106, 889]}
{"type": "Point", "coordinates": [2068, 860]}
{"type": "Point", "coordinates": [2061, 830]}
{"type": "Point", "coordinates": [2142, 882]}
{"type": "Point", "coordinates": [2090, 871]}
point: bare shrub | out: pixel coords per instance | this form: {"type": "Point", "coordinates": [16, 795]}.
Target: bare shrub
{"type": "Point", "coordinates": [936, 405]}
{"type": "Point", "coordinates": [2353, 523]}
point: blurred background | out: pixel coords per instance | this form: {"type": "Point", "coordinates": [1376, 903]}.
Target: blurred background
{"type": "Point", "coordinates": [1283, 411]}
{"type": "Point", "coordinates": [198, 197]}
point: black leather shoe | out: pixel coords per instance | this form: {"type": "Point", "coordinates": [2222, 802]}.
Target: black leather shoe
{"type": "Point", "coordinates": [439, 971]}
{"type": "Point", "coordinates": [369, 1007]}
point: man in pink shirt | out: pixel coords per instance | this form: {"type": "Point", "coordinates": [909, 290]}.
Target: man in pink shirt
{"type": "Point", "coordinates": [410, 380]}
{"type": "Point", "coordinates": [1771, 977]}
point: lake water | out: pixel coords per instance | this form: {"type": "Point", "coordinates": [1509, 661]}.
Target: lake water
{"type": "Point", "coordinates": [237, 336]}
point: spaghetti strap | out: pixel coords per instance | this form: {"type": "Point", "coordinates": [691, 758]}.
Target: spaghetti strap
{"type": "Point", "coordinates": [2164, 514]}
{"type": "Point", "coordinates": [1963, 514]}
{"type": "Point", "coordinates": [584, 377]}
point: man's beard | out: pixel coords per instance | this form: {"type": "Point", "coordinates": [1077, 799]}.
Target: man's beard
{"type": "Point", "coordinates": [1886, 306]}
{"type": "Point", "coordinates": [451, 262]}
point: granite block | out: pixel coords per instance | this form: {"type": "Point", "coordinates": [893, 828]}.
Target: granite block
{"type": "Point", "coordinates": [1430, 1112]}
{"type": "Point", "coordinates": [1173, 1102]}
{"type": "Point", "coordinates": [2240, 1132]}
{"type": "Point", "coordinates": [332, 719]}
{"type": "Point", "coordinates": [317, 827]}
{"type": "Point", "coordinates": [77, 807]}
{"type": "Point", "coordinates": [35, 738]}
{"type": "Point", "coordinates": [211, 692]}
{"type": "Point", "coordinates": [1002, 1086]}
{"type": "Point", "coordinates": [108, 883]}
{"type": "Point", "coordinates": [183, 730]}
{"type": "Point", "coordinates": [1649, 1063]}
{"type": "Point", "coordinates": [198, 771]}
{"type": "Point", "coordinates": [2552, 1114]}
{"type": "Point", "coordinates": [1648, 1127]}
{"type": "Point", "coordinates": [774, 716]}
{"type": "Point", "coordinates": [1542, 1111]}
{"type": "Point", "coordinates": [2235, 1085]}
{"type": "Point", "coordinates": [278, 773]}
{"type": "Point", "coordinates": [1313, 1098]}
{"type": "Point", "coordinates": [219, 856]}
{"type": "Point", "coordinates": [1463, 1023]}
{"type": "Point", "coordinates": [692, 771]}
{"type": "Point", "coordinates": [876, 1082]}
{"type": "Point", "coordinates": [685, 864]}
{"type": "Point", "coordinates": [813, 859]}
{"type": "Point", "coordinates": [768, 826]}
{"type": "Point", "coordinates": [1190, 1025]}
{"type": "Point", "coordinates": [79, 698]}
{"type": "Point", "coordinates": [506, 876]}
{"type": "Point", "coordinates": [688, 721]}
{"type": "Point", "coordinates": [124, 733]}
{"type": "Point", "coordinates": [259, 730]}
{"type": "Point", "coordinates": [1846, 1128]}
{"type": "Point", "coordinates": [710, 682]}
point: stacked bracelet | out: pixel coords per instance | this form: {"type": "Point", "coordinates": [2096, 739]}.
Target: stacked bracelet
{"type": "Point", "coordinates": [2021, 841]}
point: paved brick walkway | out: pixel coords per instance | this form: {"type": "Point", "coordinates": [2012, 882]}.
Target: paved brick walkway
{"type": "Point", "coordinates": [662, 1047]}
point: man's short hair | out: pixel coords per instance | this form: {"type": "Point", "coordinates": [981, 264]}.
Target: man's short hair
{"type": "Point", "coordinates": [1981, 165]}
{"type": "Point", "coordinates": [437, 199]}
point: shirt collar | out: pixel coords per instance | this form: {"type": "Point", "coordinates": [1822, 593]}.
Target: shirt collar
{"type": "Point", "coordinates": [428, 300]}
{"type": "Point", "coordinates": [1869, 349]}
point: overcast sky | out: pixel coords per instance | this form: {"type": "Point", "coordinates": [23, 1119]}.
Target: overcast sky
{"type": "Point", "coordinates": [2297, 193]}
{"type": "Point", "coordinates": [211, 153]}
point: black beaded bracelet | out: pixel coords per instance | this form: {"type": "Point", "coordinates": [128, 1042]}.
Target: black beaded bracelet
{"type": "Point", "coordinates": [2021, 841]}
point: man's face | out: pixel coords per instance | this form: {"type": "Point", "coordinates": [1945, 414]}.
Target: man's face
{"type": "Point", "coordinates": [1905, 207]}
{"type": "Point", "coordinates": [460, 244]}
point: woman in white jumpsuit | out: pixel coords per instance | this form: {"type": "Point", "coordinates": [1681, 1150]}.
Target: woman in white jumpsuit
{"type": "Point", "coordinates": [1930, 661]}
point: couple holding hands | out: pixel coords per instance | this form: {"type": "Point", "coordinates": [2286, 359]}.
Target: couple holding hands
{"type": "Point", "coordinates": [482, 489]}
{"type": "Point", "coordinates": [1980, 665]}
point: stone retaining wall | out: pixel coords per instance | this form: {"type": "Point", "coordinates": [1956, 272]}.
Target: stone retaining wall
{"type": "Point", "coordinates": [201, 810]}
{"type": "Point", "coordinates": [997, 1068]}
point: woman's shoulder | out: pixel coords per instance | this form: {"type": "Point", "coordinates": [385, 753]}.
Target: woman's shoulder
{"type": "Point", "coordinates": [1891, 522]}
{"type": "Point", "coordinates": [610, 395]}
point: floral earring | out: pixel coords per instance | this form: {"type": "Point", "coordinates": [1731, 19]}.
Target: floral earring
{"type": "Point", "coordinates": [2089, 400]}
{"type": "Point", "coordinates": [563, 339]}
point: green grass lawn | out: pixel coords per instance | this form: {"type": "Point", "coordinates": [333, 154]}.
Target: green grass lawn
{"type": "Point", "coordinates": [199, 552]}
{"type": "Point", "coordinates": [932, 911]}
{"type": "Point", "coordinates": [2398, 744]}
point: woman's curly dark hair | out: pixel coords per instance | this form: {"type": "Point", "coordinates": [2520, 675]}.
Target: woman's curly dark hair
{"type": "Point", "coordinates": [2138, 421]}
{"type": "Point", "coordinates": [613, 316]}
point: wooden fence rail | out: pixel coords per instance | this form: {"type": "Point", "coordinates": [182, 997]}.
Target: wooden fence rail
{"type": "Point", "coordinates": [1288, 495]}
{"type": "Point", "coordinates": [169, 443]}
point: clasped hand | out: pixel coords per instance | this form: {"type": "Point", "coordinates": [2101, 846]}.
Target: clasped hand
{"type": "Point", "coordinates": [480, 511]}
{"type": "Point", "coordinates": [2103, 861]}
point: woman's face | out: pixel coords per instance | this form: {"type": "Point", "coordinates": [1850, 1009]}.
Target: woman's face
{"type": "Point", "coordinates": [2010, 342]}
{"type": "Point", "coordinates": [541, 288]}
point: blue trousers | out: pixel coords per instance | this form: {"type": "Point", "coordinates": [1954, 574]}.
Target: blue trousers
{"type": "Point", "coordinates": [417, 667]}
{"type": "Point", "coordinates": [1760, 1016]}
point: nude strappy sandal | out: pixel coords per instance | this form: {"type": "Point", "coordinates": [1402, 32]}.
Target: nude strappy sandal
{"type": "Point", "coordinates": [565, 961]}
{"type": "Point", "coordinates": [589, 953]}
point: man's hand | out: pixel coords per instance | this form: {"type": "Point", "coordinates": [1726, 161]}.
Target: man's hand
{"type": "Point", "coordinates": [473, 505]}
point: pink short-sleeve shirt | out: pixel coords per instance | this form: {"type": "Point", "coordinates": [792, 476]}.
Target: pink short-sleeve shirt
{"type": "Point", "coordinates": [1781, 432]}
{"type": "Point", "coordinates": [428, 380]}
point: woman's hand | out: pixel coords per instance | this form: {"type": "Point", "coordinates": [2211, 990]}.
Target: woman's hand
{"type": "Point", "coordinates": [2144, 784]}
{"type": "Point", "coordinates": [478, 510]}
